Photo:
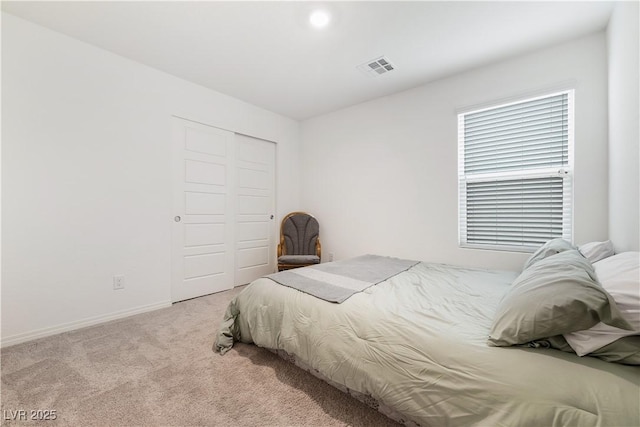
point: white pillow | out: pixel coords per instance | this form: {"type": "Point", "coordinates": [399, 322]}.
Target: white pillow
{"type": "Point", "coordinates": [620, 277]}
{"type": "Point", "coordinates": [595, 251]}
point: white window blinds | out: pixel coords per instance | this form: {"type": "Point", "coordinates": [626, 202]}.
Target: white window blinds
{"type": "Point", "coordinates": [515, 171]}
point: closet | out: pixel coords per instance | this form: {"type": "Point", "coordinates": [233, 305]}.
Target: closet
{"type": "Point", "coordinates": [223, 229]}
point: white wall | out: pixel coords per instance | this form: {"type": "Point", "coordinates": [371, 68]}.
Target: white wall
{"type": "Point", "coordinates": [86, 188]}
{"type": "Point", "coordinates": [624, 126]}
{"type": "Point", "coordinates": [382, 176]}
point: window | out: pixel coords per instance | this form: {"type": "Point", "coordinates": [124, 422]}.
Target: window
{"type": "Point", "coordinates": [515, 173]}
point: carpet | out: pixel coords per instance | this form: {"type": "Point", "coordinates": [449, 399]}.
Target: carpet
{"type": "Point", "coordinates": [158, 369]}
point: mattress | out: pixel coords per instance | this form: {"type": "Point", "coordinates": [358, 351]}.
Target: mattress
{"type": "Point", "coordinates": [416, 343]}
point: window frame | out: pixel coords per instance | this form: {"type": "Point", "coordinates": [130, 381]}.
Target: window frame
{"type": "Point", "coordinates": [566, 172]}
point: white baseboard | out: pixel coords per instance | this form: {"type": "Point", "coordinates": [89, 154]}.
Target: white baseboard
{"type": "Point", "coordinates": [91, 321]}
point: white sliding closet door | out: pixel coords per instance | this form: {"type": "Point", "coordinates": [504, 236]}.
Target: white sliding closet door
{"type": "Point", "coordinates": [202, 235]}
{"type": "Point", "coordinates": [255, 208]}
{"type": "Point", "coordinates": [224, 232]}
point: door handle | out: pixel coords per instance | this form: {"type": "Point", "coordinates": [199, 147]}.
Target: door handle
{"type": "Point", "coordinates": [177, 218]}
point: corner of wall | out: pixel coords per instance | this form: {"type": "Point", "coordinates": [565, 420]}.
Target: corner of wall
{"type": "Point", "coordinates": [624, 126]}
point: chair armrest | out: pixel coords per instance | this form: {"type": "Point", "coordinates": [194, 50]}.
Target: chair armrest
{"type": "Point", "coordinates": [318, 248]}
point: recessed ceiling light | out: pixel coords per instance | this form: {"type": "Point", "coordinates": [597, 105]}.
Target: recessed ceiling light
{"type": "Point", "coordinates": [319, 18]}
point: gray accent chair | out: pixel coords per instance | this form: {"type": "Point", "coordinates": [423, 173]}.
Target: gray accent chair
{"type": "Point", "coordinates": [299, 241]}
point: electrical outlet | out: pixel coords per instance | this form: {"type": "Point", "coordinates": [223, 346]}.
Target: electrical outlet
{"type": "Point", "coordinates": [330, 256]}
{"type": "Point", "coordinates": [118, 282]}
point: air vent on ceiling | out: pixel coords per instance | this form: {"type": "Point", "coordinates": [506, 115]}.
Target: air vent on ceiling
{"type": "Point", "coordinates": [377, 67]}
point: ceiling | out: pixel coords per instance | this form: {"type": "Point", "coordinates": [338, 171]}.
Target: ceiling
{"type": "Point", "coordinates": [267, 54]}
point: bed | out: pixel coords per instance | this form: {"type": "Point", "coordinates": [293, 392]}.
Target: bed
{"type": "Point", "coordinates": [415, 346]}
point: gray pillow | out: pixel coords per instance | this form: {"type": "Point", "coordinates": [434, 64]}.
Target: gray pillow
{"type": "Point", "coordinates": [550, 248]}
{"type": "Point", "coordinates": [625, 350]}
{"type": "Point", "coordinates": [555, 295]}
{"type": "Point", "coordinates": [595, 251]}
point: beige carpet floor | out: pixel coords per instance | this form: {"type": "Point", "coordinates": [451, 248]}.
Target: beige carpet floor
{"type": "Point", "coordinates": [158, 369]}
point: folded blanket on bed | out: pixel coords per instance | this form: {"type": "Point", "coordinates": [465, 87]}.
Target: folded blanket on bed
{"type": "Point", "coordinates": [337, 281]}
